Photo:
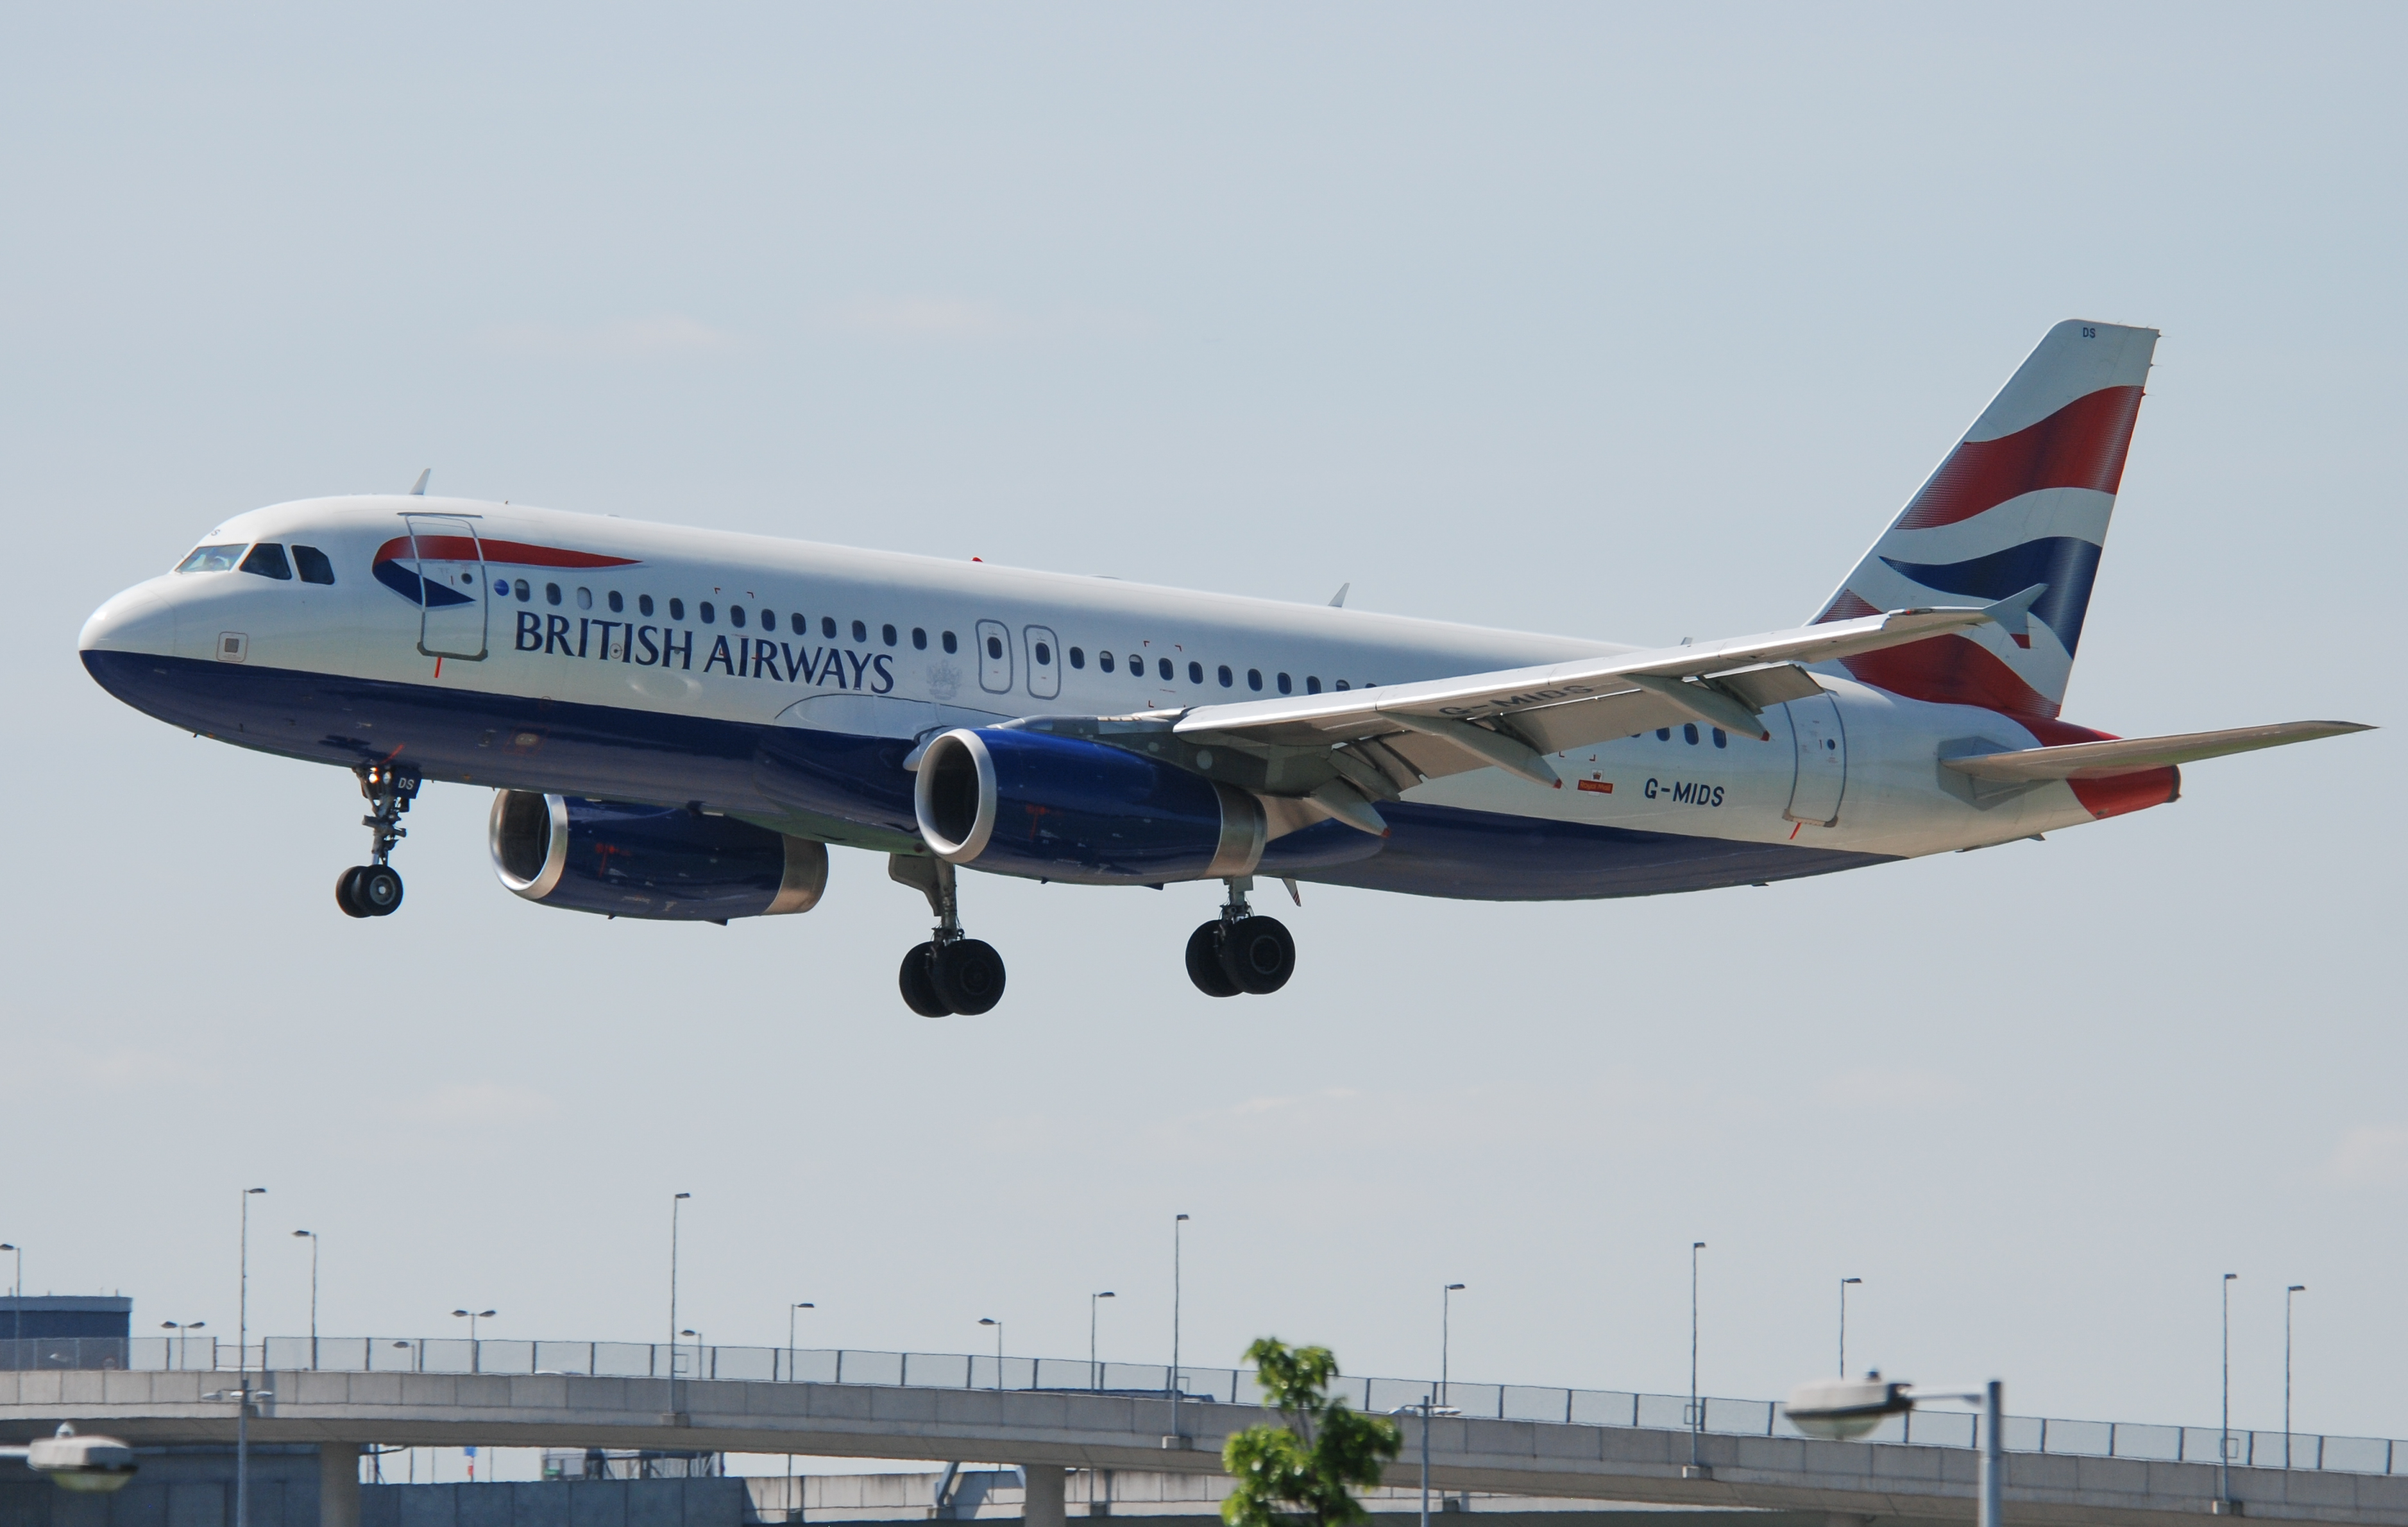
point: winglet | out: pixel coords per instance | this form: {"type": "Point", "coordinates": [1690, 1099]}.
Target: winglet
{"type": "Point", "coordinates": [2013, 613]}
{"type": "Point", "coordinates": [1337, 600]}
{"type": "Point", "coordinates": [418, 489]}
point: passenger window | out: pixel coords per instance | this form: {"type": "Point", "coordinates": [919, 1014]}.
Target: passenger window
{"type": "Point", "coordinates": [1195, 673]}
{"type": "Point", "coordinates": [677, 610]}
{"type": "Point", "coordinates": [211, 559]}
{"type": "Point", "coordinates": [995, 646]}
{"type": "Point", "coordinates": [950, 645]}
{"type": "Point", "coordinates": [643, 604]}
{"type": "Point", "coordinates": [1103, 659]}
{"type": "Point", "coordinates": [552, 593]}
{"type": "Point", "coordinates": [801, 624]}
{"type": "Point", "coordinates": [735, 615]}
{"type": "Point", "coordinates": [1343, 684]}
{"type": "Point", "coordinates": [1286, 685]}
{"type": "Point", "coordinates": [1253, 678]}
{"type": "Point", "coordinates": [618, 603]}
{"type": "Point", "coordinates": [1721, 740]}
{"type": "Point", "coordinates": [1689, 733]}
{"type": "Point", "coordinates": [920, 638]}
{"type": "Point", "coordinates": [1227, 678]}
{"type": "Point", "coordinates": [1078, 657]}
{"type": "Point", "coordinates": [584, 599]}
{"type": "Point", "coordinates": [707, 611]}
{"type": "Point", "coordinates": [887, 634]}
{"type": "Point", "coordinates": [1311, 684]}
{"type": "Point", "coordinates": [267, 560]}
{"type": "Point", "coordinates": [520, 589]}
{"type": "Point", "coordinates": [1044, 654]}
{"type": "Point", "coordinates": [1663, 734]}
{"type": "Point", "coordinates": [769, 620]}
{"type": "Point", "coordinates": [1137, 667]}
{"type": "Point", "coordinates": [1165, 664]}
{"type": "Point", "coordinates": [315, 566]}
{"type": "Point", "coordinates": [860, 631]}
{"type": "Point", "coordinates": [827, 627]}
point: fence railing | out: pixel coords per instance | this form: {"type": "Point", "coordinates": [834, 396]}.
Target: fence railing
{"type": "Point", "coordinates": [1232, 1385]}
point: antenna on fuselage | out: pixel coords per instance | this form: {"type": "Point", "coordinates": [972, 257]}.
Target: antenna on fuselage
{"type": "Point", "coordinates": [1337, 600]}
{"type": "Point", "coordinates": [418, 489]}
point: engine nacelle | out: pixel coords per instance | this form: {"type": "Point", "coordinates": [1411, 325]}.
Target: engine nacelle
{"type": "Point", "coordinates": [663, 862]}
{"type": "Point", "coordinates": [1062, 808]}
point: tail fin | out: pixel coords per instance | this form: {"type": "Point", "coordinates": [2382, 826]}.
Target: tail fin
{"type": "Point", "coordinates": [2023, 500]}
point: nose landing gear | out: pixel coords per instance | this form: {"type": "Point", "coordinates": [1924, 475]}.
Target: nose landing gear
{"type": "Point", "coordinates": [949, 974]}
{"type": "Point", "coordinates": [373, 889]}
{"type": "Point", "coordinates": [1239, 952]}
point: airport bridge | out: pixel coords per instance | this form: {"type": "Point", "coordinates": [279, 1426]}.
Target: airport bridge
{"type": "Point", "coordinates": [1049, 1418]}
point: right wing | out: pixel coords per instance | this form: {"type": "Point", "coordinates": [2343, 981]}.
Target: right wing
{"type": "Point", "coordinates": [2128, 754]}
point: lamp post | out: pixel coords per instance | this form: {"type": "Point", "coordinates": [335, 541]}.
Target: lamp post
{"type": "Point", "coordinates": [1425, 1410]}
{"type": "Point", "coordinates": [1176, 1249]}
{"type": "Point", "coordinates": [1696, 1411]}
{"type": "Point", "coordinates": [17, 1315]}
{"type": "Point", "coordinates": [2294, 1289]}
{"type": "Point", "coordinates": [1095, 1370]}
{"type": "Point", "coordinates": [1446, 1333]}
{"type": "Point", "coordinates": [791, 1309]}
{"type": "Point", "coordinates": [675, 1204]}
{"type": "Point", "coordinates": [697, 1354]}
{"type": "Point", "coordinates": [183, 1346]}
{"type": "Point", "coordinates": [475, 1353]}
{"type": "Point", "coordinates": [312, 1236]}
{"type": "Point", "coordinates": [998, 1347]}
{"type": "Point", "coordinates": [1840, 1408]}
{"type": "Point", "coordinates": [1843, 1324]}
{"type": "Point", "coordinates": [242, 1369]}
{"type": "Point", "coordinates": [2223, 1448]}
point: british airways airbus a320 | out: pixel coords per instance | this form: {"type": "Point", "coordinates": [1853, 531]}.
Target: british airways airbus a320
{"type": "Point", "coordinates": [677, 723]}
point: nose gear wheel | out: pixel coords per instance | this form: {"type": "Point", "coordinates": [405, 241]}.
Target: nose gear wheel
{"type": "Point", "coordinates": [373, 889]}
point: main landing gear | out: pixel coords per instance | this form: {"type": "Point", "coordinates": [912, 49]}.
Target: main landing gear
{"type": "Point", "coordinates": [949, 974]}
{"type": "Point", "coordinates": [373, 889]}
{"type": "Point", "coordinates": [1239, 952]}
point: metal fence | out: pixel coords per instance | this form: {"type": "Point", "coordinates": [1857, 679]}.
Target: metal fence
{"type": "Point", "coordinates": [1234, 1386]}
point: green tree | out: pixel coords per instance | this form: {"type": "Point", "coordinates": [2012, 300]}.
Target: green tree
{"type": "Point", "coordinates": [1302, 1472]}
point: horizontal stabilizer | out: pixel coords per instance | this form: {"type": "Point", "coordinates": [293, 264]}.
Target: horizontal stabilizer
{"type": "Point", "coordinates": [2128, 754]}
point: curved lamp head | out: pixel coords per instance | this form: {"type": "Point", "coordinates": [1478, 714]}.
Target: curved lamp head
{"type": "Point", "coordinates": [1837, 1409]}
{"type": "Point", "coordinates": [91, 1465]}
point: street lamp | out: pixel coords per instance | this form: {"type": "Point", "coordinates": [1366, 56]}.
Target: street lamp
{"type": "Point", "coordinates": [1843, 1324]}
{"type": "Point", "coordinates": [472, 1317]}
{"type": "Point", "coordinates": [802, 1304]}
{"type": "Point", "coordinates": [2224, 1449]}
{"type": "Point", "coordinates": [242, 1367]}
{"type": "Point", "coordinates": [1837, 1409]}
{"type": "Point", "coordinates": [16, 1320]}
{"type": "Point", "coordinates": [1176, 1249]}
{"type": "Point", "coordinates": [87, 1465]}
{"type": "Point", "coordinates": [1095, 1370]}
{"type": "Point", "coordinates": [312, 1236]}
{"type": "Point", "coordinates": [1696, 1411]}
{"type": "Point", "coordinates": [184, 1341]}
{"type": "Point", "coordinates": [697, 1355]}
{"type": "Point", "coordinates": [1445, 1332]}
{"type": "Point", "coordinates": [2294, 1289]}
{"type": "Point", "coordinates": [675, 1204]}
{"type": "Point", "coordinates": [999, 1348]}
{"type": "Point", "coordinates": [1425, 1410]}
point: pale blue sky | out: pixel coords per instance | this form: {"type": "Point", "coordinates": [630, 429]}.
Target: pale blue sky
{"type": "Point", "coordinates": [1634, 324]}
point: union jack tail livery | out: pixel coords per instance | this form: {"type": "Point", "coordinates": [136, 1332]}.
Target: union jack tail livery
{"type": "Point", "coordinates": [2017, 512]}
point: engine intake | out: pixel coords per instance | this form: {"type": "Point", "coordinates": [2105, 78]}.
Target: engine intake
{"type": "Point", "coordinates": [663, 862]}
{"type": "Point", "coordinates": [1063, 808]}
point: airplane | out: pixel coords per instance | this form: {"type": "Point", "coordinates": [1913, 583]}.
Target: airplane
{"type": "Point", "coordinates": [677, 722]}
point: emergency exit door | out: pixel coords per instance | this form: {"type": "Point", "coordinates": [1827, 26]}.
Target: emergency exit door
{"type": "Point", "coordinates": [1822, 760]}
{"type": "Point", "coordinates": [450, 568]}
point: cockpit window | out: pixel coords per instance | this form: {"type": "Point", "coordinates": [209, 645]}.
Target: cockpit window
{"type": "Point", "coordinates": [267, 560]}
{"type": "Point", "coordinates": [316, 567]}
{"type": "Point", "coordinates": [211, 559]}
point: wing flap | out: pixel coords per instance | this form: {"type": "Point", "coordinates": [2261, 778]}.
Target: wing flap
{"type": "Point", "coordinates": [2129, 754]}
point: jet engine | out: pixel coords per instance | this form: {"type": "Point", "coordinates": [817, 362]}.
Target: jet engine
{"type": "Point", "coordinates": [1063, 808]}
{"type": "Point", "coordinates": [664, 862]}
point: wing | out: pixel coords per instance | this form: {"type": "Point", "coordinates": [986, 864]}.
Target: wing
{"type": "Point", "coordinates": [2127, 755]}
{"type": "Point", "coordinates": [1346, 751]}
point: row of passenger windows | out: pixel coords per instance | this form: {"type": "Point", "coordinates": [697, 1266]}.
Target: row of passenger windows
{"type": "Point", "coordinates": [801, 626]}
{"type": "Point", "coordinates": [1689, 734]}
{"type": "Point", "coordinates": [266, 559]}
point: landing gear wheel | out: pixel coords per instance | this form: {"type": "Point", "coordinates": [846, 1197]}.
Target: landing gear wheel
{"type": "Point", "coordinates": [968, 974]}
{"type": "Point", "coordinates": [920, 986]}
{"type": "Point", "coordinates": [1204, 962]}
{"type": "Point", "coordinates": [343, 893]}
{"type": "Point", "coordinates": [1257, 955]}
{"type": "Point", "coordinates": [376, 889]}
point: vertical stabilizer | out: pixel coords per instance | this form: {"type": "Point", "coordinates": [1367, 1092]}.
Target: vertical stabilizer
{"type": "Point", "coordinates": [2023, 500]}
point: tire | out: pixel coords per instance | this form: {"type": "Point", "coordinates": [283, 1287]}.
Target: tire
{"type": "Point", "coordinates": [377, 889]}
{"type": "Point", "coordinates": [1204, 962]}
{"type": "Point", "coordinates": [919, 987]}
{"type": "Point", "coordinates": [968, 974]}
{"type": "Point", "coordinates": [343, 884]}
{"type": "Point", "coordinates": [1258, 954]}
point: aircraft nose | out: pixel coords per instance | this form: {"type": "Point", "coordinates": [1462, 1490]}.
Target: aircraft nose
{"type": "Point", "coordinates": [133, 621]}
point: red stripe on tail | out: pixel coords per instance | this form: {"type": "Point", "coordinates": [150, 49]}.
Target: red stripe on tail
{"type": "Point", "coordinates": [2081, 445]}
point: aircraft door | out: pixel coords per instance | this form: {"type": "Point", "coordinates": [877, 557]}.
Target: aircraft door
{"type": "Point", "coordinates": [1822, 760]}
{"type": "Point", "coordinates": [1044, 661]}
{"type": "Point", "coordinates": [450, 568]}
{"type": "Point", "coordinates": [995, 657]}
